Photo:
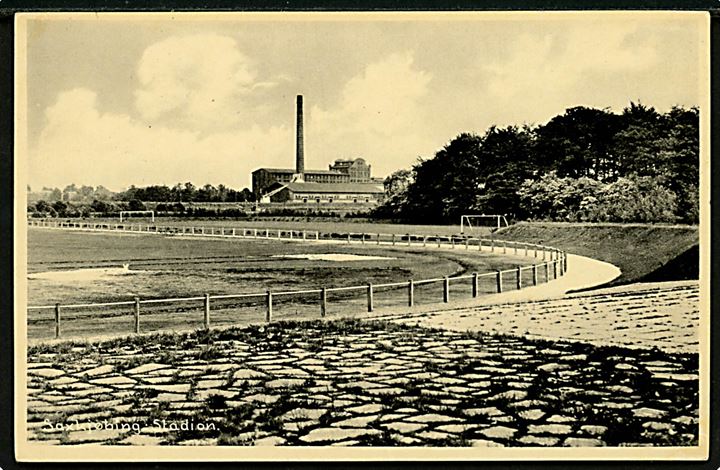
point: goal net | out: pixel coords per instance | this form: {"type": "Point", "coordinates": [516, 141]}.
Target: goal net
{"type": "Point", "coordinates": [475, 222]}
{"type": "Point", "coordinates": [124, 215]}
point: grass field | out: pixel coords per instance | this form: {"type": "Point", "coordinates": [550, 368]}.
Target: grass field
{"type": "Point", "coordinates": [177, 266]}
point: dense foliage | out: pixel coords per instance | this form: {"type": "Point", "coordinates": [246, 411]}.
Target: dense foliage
{"type": "Point", "coordinates": [187, 193]}
{"type": "Point", "coordinates": [585, 165]}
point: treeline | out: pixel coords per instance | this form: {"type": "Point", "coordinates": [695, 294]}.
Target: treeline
{"type": "Point", "coordinates": [583, 165]}
{"type": "Point", "coordinates": [186, 193]}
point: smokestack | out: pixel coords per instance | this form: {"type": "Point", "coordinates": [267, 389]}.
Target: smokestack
{"type": "Point", "coordinates": [299, 144]}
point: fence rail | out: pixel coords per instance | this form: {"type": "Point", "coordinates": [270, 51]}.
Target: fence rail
{"type": "Point", "coordinates": [553, 265]}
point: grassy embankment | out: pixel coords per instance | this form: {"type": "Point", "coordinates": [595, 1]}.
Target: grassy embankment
{"type": "Point", "coordinates": [643, 252]}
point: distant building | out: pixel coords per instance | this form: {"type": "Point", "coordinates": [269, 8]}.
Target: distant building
{"type": "Point", "coordinates": [263, 178]}
{"type": "Point", "coordinates": [346, 180]}
{"type": "Point", "coordinates": [357, 169]}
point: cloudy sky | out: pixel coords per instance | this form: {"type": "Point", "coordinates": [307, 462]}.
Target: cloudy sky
{"type": "Point", "coordinates": [121, 100]}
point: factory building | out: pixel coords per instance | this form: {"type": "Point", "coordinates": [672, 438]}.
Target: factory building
{"type": "Point", "coordinates": [346, 180]}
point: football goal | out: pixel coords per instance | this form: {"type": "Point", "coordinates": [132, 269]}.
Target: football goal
{"type": "Point", "coordinates": [473, 221]}
{"type": "Point", "coordinates": [128, 214]}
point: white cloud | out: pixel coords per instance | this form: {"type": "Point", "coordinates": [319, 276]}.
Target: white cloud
{"type": "Point", "coordinates": [83, 145]}
{"type": "Point", "coordinates": [198, 80]}
{"type": "Point", "coordinates": [380, 116]}
{"type": "Point", "coordinates": [542, 75]}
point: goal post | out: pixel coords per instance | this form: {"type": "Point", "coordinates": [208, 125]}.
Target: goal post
{"type": "Point", "coordinates": [128, 214]}
{"type": "Point", "coordinates": [470, 221]}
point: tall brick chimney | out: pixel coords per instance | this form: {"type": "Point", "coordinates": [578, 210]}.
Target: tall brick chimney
{"type": "Point", "coordinates": [299, 144]}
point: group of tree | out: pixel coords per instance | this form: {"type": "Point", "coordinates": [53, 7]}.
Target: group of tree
{"type": "Point", "coordinates": [186, 193]}
{"type": "Point", "coordinates": [44, 208]}
{"type": "Point", "coordinates": [586, 164]}
{"type": "Point", "coordinates": [71, 193]}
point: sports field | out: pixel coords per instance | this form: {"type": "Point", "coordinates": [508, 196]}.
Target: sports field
{"type": "Point", "coordinates": [82, 267]}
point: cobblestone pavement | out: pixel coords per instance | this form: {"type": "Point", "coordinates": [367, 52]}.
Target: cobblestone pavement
{"type": "Point", "coordinates": [663, 315]}
{"type": "Point", "coordinates": [359, 383]}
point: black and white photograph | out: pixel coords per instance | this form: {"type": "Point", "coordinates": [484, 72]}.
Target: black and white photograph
{"type": "Point", "coordinates": [362, 236]}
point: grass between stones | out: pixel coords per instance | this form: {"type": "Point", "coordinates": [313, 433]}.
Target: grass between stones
{"type": "Point", "coordinates": [351, 382]}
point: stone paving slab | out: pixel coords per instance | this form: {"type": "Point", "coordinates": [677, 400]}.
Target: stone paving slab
{"type": "Point", "coordinates": [456, 389]}
{"type": "Point", "coordinates": [665, 315]}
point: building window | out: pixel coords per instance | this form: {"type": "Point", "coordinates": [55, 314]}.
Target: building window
{"type": "Point", "coordinates": [304, 200]}
{"type": "Point", "coordinates": [317, 200]}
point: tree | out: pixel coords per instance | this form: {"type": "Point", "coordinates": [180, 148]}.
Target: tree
{"type": "Point", "coordinates": [635, 199]}
{"type": "Point", "coordinates": [508, 158]}
{"type": "Point", "coordinates": [188, 192]}
{"type": "Point", "coordinates": [100, 206]}
{"type": "Point", "coordinates": [60, 208]}
{"type": "Point", "coordinates": [247, 195]}
{"type": "Point", "coordinates": [43, 207]}
{"type": "Point", "coordinates": [395, 197]}
{"type": "Point", "coordinates": [136, 205]}
{"type": "Point", "coordinates": [86, 192]}
{"type": "Point", "coordinates": [577, 143]}
{"type": "Point", "coordinates": [445, 186]}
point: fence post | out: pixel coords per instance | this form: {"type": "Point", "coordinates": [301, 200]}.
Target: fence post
{"type": "Point", "coordinates": [411, 293]}
{"type": "Point", "coordinates": [547, 271]}
{"type": "Point", "coordinates": [452, 241]}
{"type": "Point", "coordinates": [408, 235]}
{"type": "Point", "coordinates": [424, 240]}
{"type": "Point", "coordinates": [535, 254]}
{"type": "Point", "coordinates": [515, 245]}
{"type": "Point", "coordinates": [363, 238]}
{"type": "Point", "coordinates": [479, 244]}
{"type": "Point", "coordinates": [526, 249]}
{"type": "Point", "coordinates": [304, 235]}
{"type": "Point", "coordinates": [233, 231]}
{"type": "Point", "coordinates": [393, 239]}
{"type": "Point", "coordinates": [378, 239]}
{"type": "Point", "coordinates": [544, 253]}
{"type": "Point", "coordinates": [317, 235]}
{"type": "Point", "coordinates": [446, 289]}
{"type": "Point", "coordinates": [534, 272]}
{"type": "Point", "coordinates": [348, 238]}
{"type": "Point", "coordinates": [437, 237]}
{"type": "Point", "coordinates": [467, 244]}
{"type": "Point", "coordinates": [268, 304]}
{"type": "Point", "coordinates": [137, 315]}
{"type": "Point", "coordinates": [323, 302]}
{"type": "Point", "coordinates": [57, 320]}
{"type": "Point", "coordinates": [475, 285]}
{"type": "Point", "coordinates": [564, 261]}
{"type": "Point", "coordinates": [555, 262]}
{"type": "Point", "coordinates": [519, 277]}
{"type": "Point", "coordinates": [492, 244]}
{"type": "Point", "coordinates": [207, 312]}
{"type": "Point", "coordinates": [370, 297]}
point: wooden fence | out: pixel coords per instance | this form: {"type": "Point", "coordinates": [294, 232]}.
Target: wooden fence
{"type": "Point", "coordinates": [553, 264]}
